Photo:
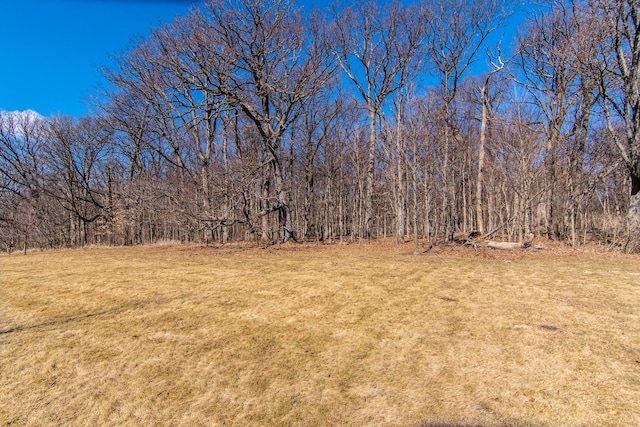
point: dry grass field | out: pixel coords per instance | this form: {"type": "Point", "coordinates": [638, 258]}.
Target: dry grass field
{"type": "Point", "coordinates": [363, 335]}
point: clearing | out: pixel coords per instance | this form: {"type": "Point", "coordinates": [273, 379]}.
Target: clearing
{"type": "Point", "coordinates": [304, 335]}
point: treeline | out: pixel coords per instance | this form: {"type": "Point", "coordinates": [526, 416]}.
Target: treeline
{"type": "Point", "coordinates": [259, 120]}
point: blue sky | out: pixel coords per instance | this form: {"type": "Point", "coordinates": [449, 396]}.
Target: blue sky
{"type": "Point", "coordinates": [51, 50]}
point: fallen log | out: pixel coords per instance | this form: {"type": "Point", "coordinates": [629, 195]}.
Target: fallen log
{"type": "Point", "coordinates": [509, 246]}
{"type": "Point", "coordinates": [505, 245]}
{"type": "Point", "coordinates": [473, 238]}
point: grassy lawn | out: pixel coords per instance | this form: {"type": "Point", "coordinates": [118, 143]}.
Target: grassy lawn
{"type": "Point", "coordinates": [318, 336]}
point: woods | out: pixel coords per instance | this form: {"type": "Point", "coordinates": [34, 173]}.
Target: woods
{"type": "Point", "coordinates": [262, 120]}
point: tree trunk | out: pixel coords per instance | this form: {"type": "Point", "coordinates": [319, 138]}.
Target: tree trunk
{"type": "Point", "coordinates": [308, 194]}
{"type": "Point", "coordinates": [634, 203]}
{"type": "Point", "coordinates": [400, 187]}
{"type": "Point", "coordinates": [285, 229]}
{"type": "Point", "coordinates": [480, 173]}
{"type": "Point", "coordinates": [416, 243]}
{"type": "Point", "coordinates": [368, 207]}
{"type": "Point", "coordinates": [550, 161]}
{"type": "Point", "coordinates": [444, 214]}
{"type": "Point", "coordinates": [264, 204]}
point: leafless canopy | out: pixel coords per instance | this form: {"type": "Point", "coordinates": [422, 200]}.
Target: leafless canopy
{"type": "Point", "coordinates": [262, 120]}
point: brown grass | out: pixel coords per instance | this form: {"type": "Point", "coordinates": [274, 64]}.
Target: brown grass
{"type": "Point", "coordinates": [337, 336]}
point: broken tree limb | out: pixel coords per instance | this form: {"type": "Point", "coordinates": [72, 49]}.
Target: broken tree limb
{"type": "Point", "coordinates": [489, 234]}
{"type": "Point", "coordinates": [528, 244]}
{"type": "Point", "coordinates": [505, 245]}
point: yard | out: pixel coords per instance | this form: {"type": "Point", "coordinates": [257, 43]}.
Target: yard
{"type": "Point", "coordinates": [310, 335]}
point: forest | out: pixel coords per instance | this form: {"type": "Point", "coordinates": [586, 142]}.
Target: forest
{"type": "Point", "coordinates": [267, 121]}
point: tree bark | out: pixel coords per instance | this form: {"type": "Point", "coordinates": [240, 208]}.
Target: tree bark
{"type": "Point", "coordinates": [481, 149]}
{"type": "Point", "coordinates": [634, 205]}
{"type": "Point", "coordinates": [400, 181]}
{"type": "Point", "coordinates": [368, 203]}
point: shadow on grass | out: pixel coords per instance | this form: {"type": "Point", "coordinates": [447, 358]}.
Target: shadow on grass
{"type": "Point", "coordinates": [70, 319]}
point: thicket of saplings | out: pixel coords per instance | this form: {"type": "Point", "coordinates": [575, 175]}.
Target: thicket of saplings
{"type": "Point", "coordinates": [261, 121]}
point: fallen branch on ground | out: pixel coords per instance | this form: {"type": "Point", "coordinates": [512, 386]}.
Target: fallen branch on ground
{"type": "Point", "coordinates": [514, 245]}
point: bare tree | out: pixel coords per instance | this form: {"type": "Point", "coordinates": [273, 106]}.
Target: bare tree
{"type": "Point", "coordinates": [268, 69]}
{"type": "Point", "coordinates": [316, 126]}
{"type": "Point", "coordinates": [497, 66]}
{"type": "Point", "coordinates": [456, 34]}
{"type": "Point", "coordinates": [21, 143]}
{"type": "Point", "coordinates": [75, 155]}
{"type": "Point", "coordinates": [140, 106]}
{"type": "Point", "coordinates": [232, 123]}
{"type": "Point", "coordinates": [375, 46]}
{"type": "Point", "coordinates": [619, 63]}
{"type": "Point", "coordinates": [548, 65]}
{"type": "Point", "coordinates": [515, 171]}
{"type": "Point", "coordinates": [22, 173]}
{"type": "Point", "coordinates": [197, 105]}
